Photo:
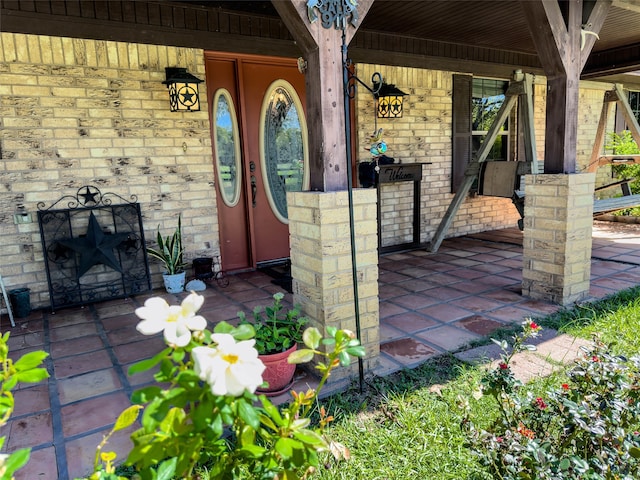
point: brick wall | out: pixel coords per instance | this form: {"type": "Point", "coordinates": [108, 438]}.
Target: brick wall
{"type": "Point", "coordinates": [77, 112]}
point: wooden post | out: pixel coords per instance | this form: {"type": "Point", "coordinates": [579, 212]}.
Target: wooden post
{"type": "Point", "coordinates": [321, 48]}
{"type": "Point", "coordinates": [557, 235]}
{"type": "Point", "coordinates": [563, 47]}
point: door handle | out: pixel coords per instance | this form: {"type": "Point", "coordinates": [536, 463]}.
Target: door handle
{"type": "Point", "coordinates": [254, 191]}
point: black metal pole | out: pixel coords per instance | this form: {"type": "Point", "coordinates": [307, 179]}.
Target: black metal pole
{"type": "Point", "coordinates": [354, 267]}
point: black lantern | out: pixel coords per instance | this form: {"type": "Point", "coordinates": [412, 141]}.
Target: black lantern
{"type": "Point", "coordinates": [389, 100]}
{"type": "Point", "coordinates": [183, 90]}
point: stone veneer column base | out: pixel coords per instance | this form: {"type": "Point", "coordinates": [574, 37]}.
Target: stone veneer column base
{"type": "Point", "coordinates": [322, 270]}
{"type": "Point", "coordinates": [558, 224]}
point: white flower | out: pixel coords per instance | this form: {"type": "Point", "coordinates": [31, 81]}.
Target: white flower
{"type": "Point", "coordinates": [177, 321]}
{"type": "Point", "coordinates": [230, 368]}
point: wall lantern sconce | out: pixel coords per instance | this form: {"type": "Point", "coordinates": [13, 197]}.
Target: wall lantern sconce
{"type": "Point", "coordinates": [390, 100]}
{"type": "Point", "coordinates": [183, 90]}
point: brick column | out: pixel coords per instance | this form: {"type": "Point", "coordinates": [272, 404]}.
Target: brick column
{"type": "Point", "coordinates": [321, 264]}
{"type": "Point", "coordinates": [557, 237]}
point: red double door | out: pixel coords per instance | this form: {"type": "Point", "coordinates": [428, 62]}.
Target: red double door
{"type": "Point", "coordinates": [259, 138]}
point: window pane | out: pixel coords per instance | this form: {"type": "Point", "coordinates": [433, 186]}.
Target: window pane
{"type": "Point", "coordinates": [227, 147]}
{"type": "Point", "coordinates": [498, 150]}
{"type": "Point", "coordinates": [284, 156]}
{"type": "Point", "coordinates": [487, 98]}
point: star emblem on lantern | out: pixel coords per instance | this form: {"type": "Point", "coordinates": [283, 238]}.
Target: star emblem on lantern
{"type": "Point", "coordinates": [389, 100]}
{"type": "Point", "coordinates": [183, 90]}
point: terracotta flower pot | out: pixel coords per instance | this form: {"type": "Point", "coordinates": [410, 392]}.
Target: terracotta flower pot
{"type": "Point", "coordinates": [279, 373]}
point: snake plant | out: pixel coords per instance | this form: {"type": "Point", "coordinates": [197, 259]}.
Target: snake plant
{"type": "Point", "coordinates": [170, 251]}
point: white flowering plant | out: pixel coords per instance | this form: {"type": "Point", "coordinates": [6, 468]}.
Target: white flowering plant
{"type": "Point", "coordinates": [27, 369]}
{"type": "Point", "coordinates": [204, 410]}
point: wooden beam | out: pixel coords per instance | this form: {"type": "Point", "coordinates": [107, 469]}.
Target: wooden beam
{"type": "Point", "coordinates": [549, 33]}
{"type": "Point", "coordinates": [613, 61]}
{"type": "Point", "coordinates": [618, 160]}
{"type": "Point", "coordinates": [598, 143]}
{"type": "Point", "coordinates": [78, 27]}
{"type": "Point", "coordinates": [293, 13]}
{"type": "Point", "coordinates": [559, 41]}
{"type": "Point", "coordinates": [594, 24]}
{"type": "Point", "coordinates": [322, 52]}
{"type": "Point", "coordinates": [526, 104]}
{"type": "Point", "coordinates": [618, 96]}
{"type": "Point", "coordinates": [561, 131]}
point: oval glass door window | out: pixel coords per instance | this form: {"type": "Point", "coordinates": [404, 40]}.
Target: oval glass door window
{"type": "Point", "coordinates": [227, 146]}
{"type": "Point", "coordinates": [283, 146]}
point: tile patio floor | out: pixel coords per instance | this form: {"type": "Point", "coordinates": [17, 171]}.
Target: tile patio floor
{"type": "Point", "coordinates": [429, 304]}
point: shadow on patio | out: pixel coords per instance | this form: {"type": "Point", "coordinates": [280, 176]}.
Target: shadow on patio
{"type": "Point", "coordinates": [429, 304]}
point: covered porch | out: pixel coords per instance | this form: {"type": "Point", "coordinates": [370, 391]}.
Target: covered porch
{"type": "Point", "coordinates": [430, 304]}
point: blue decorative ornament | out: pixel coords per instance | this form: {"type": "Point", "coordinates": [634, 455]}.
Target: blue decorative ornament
{"type": "Point", "coordinates": [378, 148]}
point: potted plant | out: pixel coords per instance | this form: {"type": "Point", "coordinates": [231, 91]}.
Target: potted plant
{"type": "Point", "coordinates": [170, 253]}
{"type": "Point", "coordinates": [277, 334]}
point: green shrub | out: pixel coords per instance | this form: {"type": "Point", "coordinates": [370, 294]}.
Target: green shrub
{"type": "Point", "coordinates": [585, 428]}
{"type": "Point", "coordinates": [27, 369]}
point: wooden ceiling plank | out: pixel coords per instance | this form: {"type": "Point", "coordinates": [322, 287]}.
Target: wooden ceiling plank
{"type": "Point", "coordinates": [166, 16]}
{"type": "Point", "coordinates": [128, 12]}
{"type": "Point", "coordinates": [42, 7]}
{"type": "Point", "coordinates": [177, 15]}
{"type": "Point", "coordinates": [154, 14]}
{"type": "Point", "coordinates": [142, 17]}
{"type": "Point", "coordinates": [102, 9]}
{"type": "Point", "coordinates": [86, 9]}
{"type": "Point", "coordinates": [202, 20]}
{"type": "Point", "coordinates": [58, 7]}
{"type": "Point", "coordinates": [234, 25]}
{"type": "Point", "coordinates": [115, 11]}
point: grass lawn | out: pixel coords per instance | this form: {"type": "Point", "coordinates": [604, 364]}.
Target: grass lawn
{"type": "Point", "coordinates": [407, 426]}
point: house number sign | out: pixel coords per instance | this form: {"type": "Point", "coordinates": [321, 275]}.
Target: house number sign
{"type": "Point", "coordinates": [333, 12]}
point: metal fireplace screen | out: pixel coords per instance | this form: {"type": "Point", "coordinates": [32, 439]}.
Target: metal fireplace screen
{"type": "Point", "coordinates": [94, 249]}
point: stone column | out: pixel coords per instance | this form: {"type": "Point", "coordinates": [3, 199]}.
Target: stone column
{"type": "Point", "coordinates": [321, 265]}
{"type": "Point", "coordinates": [557, 237]}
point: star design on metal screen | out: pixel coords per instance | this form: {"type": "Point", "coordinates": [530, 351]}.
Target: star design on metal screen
{"type": "Point", "coordinates": [96, 247]}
